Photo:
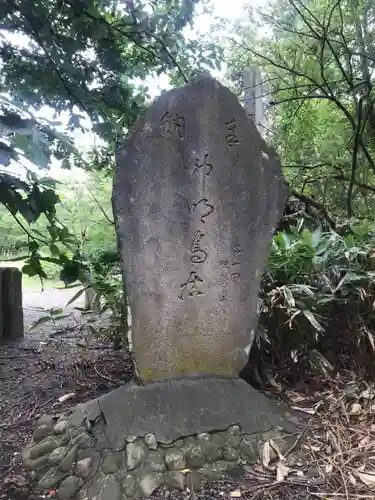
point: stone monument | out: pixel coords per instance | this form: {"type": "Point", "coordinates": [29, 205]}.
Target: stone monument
{"type": "Point", "coordinates": [197, 194]}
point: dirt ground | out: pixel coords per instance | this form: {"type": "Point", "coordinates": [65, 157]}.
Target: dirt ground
{"type": "Point", "coordinates": [55, 367]}
{"type": "Point", "coordinates": [50, 362]}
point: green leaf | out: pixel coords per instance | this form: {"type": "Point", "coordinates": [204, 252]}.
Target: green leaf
{"type": "Point", "coordinates": [311, 317]}
{"type": "Point", "coordinates": [289, 297]}
{"type": "Point", "coordinates": [316, 237]}
{"type": "Point", "coordinates": [6, 154]}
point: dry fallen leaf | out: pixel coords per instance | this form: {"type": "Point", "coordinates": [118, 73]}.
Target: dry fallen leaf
{"type": "Point", "coordinates": [364, 441]}
{"type": "Point", "coordinates": [65, 397]}
{"type": "Point", "coordinates": [366, 478]}
{"type": "Point", "coordinates": [313, 448]}
{"type": "Point", "coordinates": [355, 408]}
{"type": "Point", "coordinates": [295, 397]}
{"type": "Point", "coordinates": [329, 468]}
{"type": "Point", "coordinates": [185, 471]}
{"type": "Point", "coordinates": [310, 411]}
{"type": "Point", "coordinates": [266, 454]}
{"type": "Point", "coordinates": [367, 393]}
{"type": "Point", "coordinates": [282, 471]}
{"type": "Point", "coordinates": [352, 479]}
{"type": "Point", "coordinates": [236, 493]}
{"type": "Point", "coordinates": [277, 449]}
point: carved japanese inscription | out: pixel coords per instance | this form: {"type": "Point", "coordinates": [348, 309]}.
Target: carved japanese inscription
{"type": "Point", "coordinates": [172, 124]}
{"type": "Point", "coordinates": [198, 254]}
{"type": "Point", "coordinates": [202, 208]}
{"type": "Point", "coordinates": [231, 138]}
{"type": "Point", "coordinates": [191, 286]}
{"type": "Point", "coordinates": [203, 165]}
{"type": "Point", "coordinates": [196, 195]}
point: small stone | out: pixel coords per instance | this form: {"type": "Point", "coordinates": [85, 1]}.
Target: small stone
{"type": "Point", "coordinates": [233, 440]}
{"type": "Point", "coordinates": [216, 470]}
{"type": "Point", "coordinates": [218, 439]}
{"type": "Point", "coordinates": [41, 432]}
{"type": "Point", "coordinates": [43, 448]}
{"type": "Point", "coordinates": [234, 430]}
{"type": "Point", "coordinates": [249, 449]}
{"type": "Point", "coordinates": [49, 420]}
{"type": "Point", "coordinates": [270, 434]}
{"type": "Point", "coordinates": [83, 439]}
{"type": "Point", "coordinates": [93, 455]}
{"type": "Point", "coordinates": [204, 436]}
{"type": "Point", "coordinates": [175, 479]}
{"type": "Point", "coordinates": [33, 463]}
{"type": "Point", "coordinates": [149, 482]}
{"type": "Point", "coordinates": [67, 462]}
{"type": "Point", "coordinates": [155, 461]}
{"type": "Point", "coordinates": [231, 454]}
{"type": "Point", "coordinates": [236, 472]}
{"type": "Point", "coordinates": [51, 479]}
{"type": "Point", "coordinates": [68, 488]}
{"type": "Point", "coordinates": [151, 442]}
{"type": "Point", "coordinates": [175, 459]}
{"type": "Point", "coordinates": [194, 454]}
{"type": "Point", "coordinates": [129, 484]}
{"type": "Point", "coordinates": [212, 452]}
{"type": "Point", "coordinates": [111, 462]}
{"type": "Point", "coordinates": [57, 455]}
{"type": "Point", "coordinates": [102, 442]}
{"type": "Point", "coordinates": [83, 467]}
{"type": "Point", "coordinates": [60, 427]}
{"type": "Point", "coordinates": [109, 489]}
{"type": "Point", "coordinates": [135, 453]}
{"type": "Point", "coordinates": [193, 481]}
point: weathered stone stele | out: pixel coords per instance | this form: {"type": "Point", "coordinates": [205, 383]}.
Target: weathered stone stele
{"type": "Point", "coordinates": [197, 194]}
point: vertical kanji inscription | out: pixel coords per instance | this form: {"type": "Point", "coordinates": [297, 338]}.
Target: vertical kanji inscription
{"type": "Point", "coordinates": [191, 286]}
{"type": "Point", "coordinates": [172, 125]}
{"type": "Point", "coordinates": [231, 138]}
{"type": "Point", "coordinates": [199, 255]}
{"type": "Point", "coordinates": [202, 208]}
{"type": "Point", "coordinates": [203, 165]}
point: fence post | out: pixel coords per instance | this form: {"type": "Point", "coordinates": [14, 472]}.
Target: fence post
{"type": "Point", "coordinates": [11, 314]}
{"type": "Point", "coordinates": [254, 90]}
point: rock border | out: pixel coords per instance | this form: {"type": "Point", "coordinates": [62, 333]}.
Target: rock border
{"type": "Point", "coordinates": [79, 464]}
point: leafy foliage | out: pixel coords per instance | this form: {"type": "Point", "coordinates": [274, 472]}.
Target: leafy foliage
{"type": "Point", "coordinates": [318, 62]}
{"type": "Point", "coordinates": [314, 280]}
{"type": "Point", "coordinates": [84, 60]}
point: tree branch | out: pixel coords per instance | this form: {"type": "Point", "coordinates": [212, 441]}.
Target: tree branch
{"type": "Point", "coordinates": [315, 204]}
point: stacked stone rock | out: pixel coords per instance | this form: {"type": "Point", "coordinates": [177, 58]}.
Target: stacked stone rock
{"type": "Point", "coordinates": [80, 464]}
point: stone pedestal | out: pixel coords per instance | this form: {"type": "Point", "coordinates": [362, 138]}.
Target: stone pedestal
{"type": "Point", "coordinates": [129, 442]}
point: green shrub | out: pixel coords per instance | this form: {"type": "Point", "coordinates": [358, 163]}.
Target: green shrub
{"type": "Point", "coordinates": [314, 282]}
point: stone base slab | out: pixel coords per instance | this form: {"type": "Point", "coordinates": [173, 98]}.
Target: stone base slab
{"type": "Point", "coordinates": [129, 442]}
